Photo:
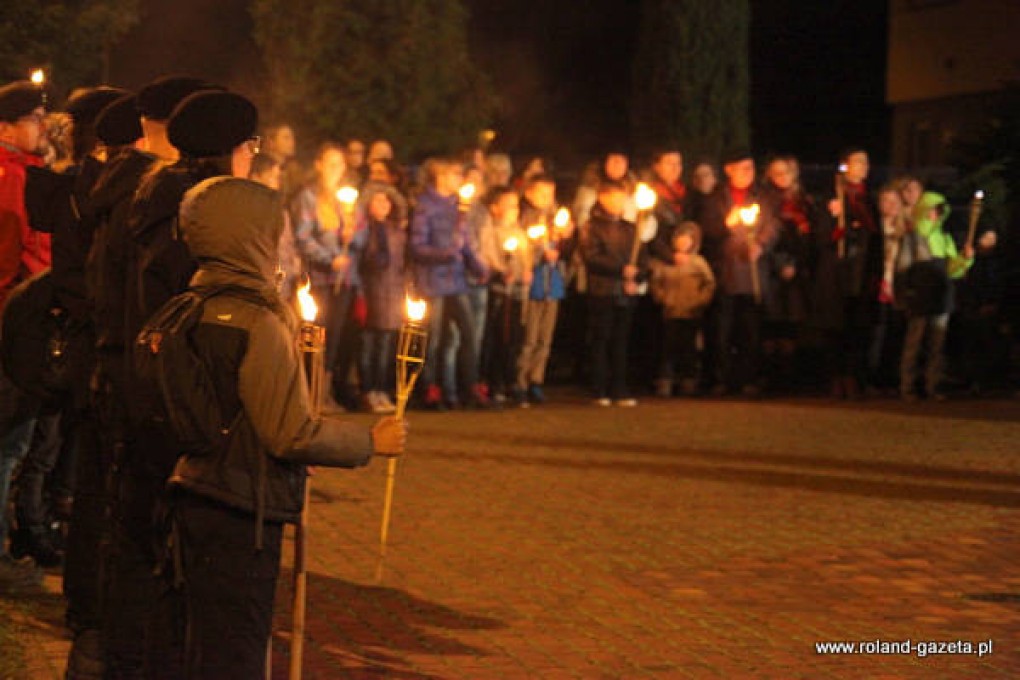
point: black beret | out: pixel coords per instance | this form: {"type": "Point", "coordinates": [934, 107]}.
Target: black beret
{"type": "Point", "coordinates": [212, 123]}
{"type": "Point", "coordinates": [158, 99]}
{"type": "Point", "coordinates": [735, 154]}
{"type": "Point", "coordinates": [118, 123]}
{"type": "Point", "coordinates": [84, 105]}
{"type": "Point", "coordinates": [20, 98]}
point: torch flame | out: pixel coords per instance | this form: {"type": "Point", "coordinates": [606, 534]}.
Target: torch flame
{"type": "Point", "coordinates": [38, 76]}
{"type": "Point", "coordinates": [415, 309]}
{"type": "Point", "coordinates": [645, 197]}
{"type": "Point", "coordinates": [347, 195]}
{"type": "Point", "coordinates": [749, 215]}
{"type": "Point", "coordinates": [467, 192]}
{"type": "Point", "coordinates": [511, 244]}
{"type": "Point", "coordinates": [309, 310]}
{"type": "Point", "coordinates": [842, 167]}
{"type": "Point", "coordinates": [536, 231]}
{"type": "Point", "coordinates": [488, 135]}
{"type": "Point", "coordinates": [562, 218]}
{"type": "Point", "coordinates": [979, 195]}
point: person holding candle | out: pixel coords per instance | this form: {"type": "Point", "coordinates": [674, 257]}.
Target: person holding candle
{"type": "Point", "coordinates": [607, 245]}
{"type": "Point", "coordinates": [442, 253]}
{"type": "Point", "coordinates": [507, 253]}
{"type": "Point", "coordinates": [231, 501]}
{"type": "Point", "coordinates": [552, 248]}
{"type": "Point", "coordinates": [738, 229]}
{"type": "Point", "coordinates": [331, 245]}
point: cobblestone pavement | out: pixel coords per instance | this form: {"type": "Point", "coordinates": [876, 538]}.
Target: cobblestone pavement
{"type": "Point", "coordinates": [715, 539]}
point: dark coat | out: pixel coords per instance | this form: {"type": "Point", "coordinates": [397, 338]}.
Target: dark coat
{"type": "Point", "coordinates": [107, 209]}
{"type": "Point", "coordinates": [857, 276]}
{"type": "Point", "coordinates": [727, 250]}
{"type": "Point", "coordinates": [798, 221]}
{"type": "Point", "coordinates": [606, 248]}
{"type": "Point", "coordinates": [384, 274]}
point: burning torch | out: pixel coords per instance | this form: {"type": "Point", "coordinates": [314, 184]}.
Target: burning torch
{"type": "Point", "coordinates": [841, 218]}
{"type": "Point", "coordinates": [976, 204]}
{"type": "Point", "coordinates": [645, 199]}
{"type": "Point", "coordinates": [466, 194]}
{"type": "Point", "coordinates": [312, 344]}
{"type": "Point", "coordinates": [412, 346]}
{"type": "Point", "coordinates": [348, 197]}
{"type": "Point", "coordinates": [510, 246]}
{"type": "Point", "coordinates": [38, 77]}
{"type": "Point", "coordinates": [749, 218]}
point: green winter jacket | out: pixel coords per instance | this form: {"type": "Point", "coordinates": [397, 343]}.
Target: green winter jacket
{"type": "Point", "coordinates": [940, 243]}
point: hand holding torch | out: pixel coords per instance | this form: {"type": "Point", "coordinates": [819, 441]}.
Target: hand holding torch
{"type": "Point", "coordinates": [645, 198]}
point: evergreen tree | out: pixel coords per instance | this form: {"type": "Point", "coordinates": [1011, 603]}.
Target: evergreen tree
{"type": "Point", "coordinates": [397, 69]}
{"type": "Point", "coordinates": [691, 75]}
{"type": "Point", "coordinates": [70, 39]}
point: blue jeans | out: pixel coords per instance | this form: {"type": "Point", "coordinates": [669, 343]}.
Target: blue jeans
{"type": "Point", "coordinates": [377, 360]}
{"type": "Point", "coordinates": [13, 448]}
{"type": "Point", "coordinates": [477, 297]}
{"type": "Point", "coordinates": [451, 310]}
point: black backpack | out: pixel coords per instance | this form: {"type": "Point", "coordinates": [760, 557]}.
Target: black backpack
{"type": "Point", "coordinates": [173, 391]}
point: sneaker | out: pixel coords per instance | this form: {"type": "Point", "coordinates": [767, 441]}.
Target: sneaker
{"type": "Point", "coordinates": [909, 397]}
{"type": "Point", "coordinates": [603, 401]}
{"type": "Point", "coordinates": [536, 395]}
{"type": "Point", "coordinates": [479, 398]}
{"type": "Point", "coordinates": [663, 388]}
{"type": "Point", "coordinates": [368, 402]}
{"type": "Point", "coordinates": [689, 387]}
{"type": "Point", "coordinates": [434, 399]}
{"type": "Point", "coordinates": [18, 576]}
{"type": "Point", "coordinates": [386, 405]}
{"type": "Point", "coordinates": [629, 402]}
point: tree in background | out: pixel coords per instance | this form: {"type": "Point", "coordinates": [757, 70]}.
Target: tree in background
{"type": "Point", "coordinates": [397, 69]}
{"type": "Point", "coordinates": [691, 77]}
{"type": "Point", "coordinates": [70, 39]}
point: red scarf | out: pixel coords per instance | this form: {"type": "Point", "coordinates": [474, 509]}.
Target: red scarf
{"type": "Point", "coordinates": [859, 211]}
{"type": "Point", "coordinates": [793, 211]}
{"type": "Point", "coordinates": [671, 194]}
{"type": "Point", "coordinates": [739, 196]}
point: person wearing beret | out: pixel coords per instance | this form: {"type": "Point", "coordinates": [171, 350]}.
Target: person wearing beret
{"type": "Point", "coordinates": [212, 132]}
{"type": "Point", "coordinates": [21, 134]}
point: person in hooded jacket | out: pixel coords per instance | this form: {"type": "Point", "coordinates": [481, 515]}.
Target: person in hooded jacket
{"type": "Point", "coordinates": [230, 503]}
{"type": "Point", "coordinates": [684, 288]}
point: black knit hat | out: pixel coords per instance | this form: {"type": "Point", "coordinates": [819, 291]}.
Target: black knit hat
{"type": "Point", "coordinates": [85, 104]}
{"type": "Point", "coordinates": [20, 98]}
{"type": "Point", "coordinates": [735, 154]}
{"type": "Point", "coordinates": [158, 99]}
{"type": "Point", "coordinates": [212, 123]}
{"type": "Point", "coordinates": [118, 123]}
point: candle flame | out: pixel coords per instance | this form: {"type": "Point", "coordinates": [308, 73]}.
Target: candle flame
{"type": "Point", "coordinates": [645, 197]}
{"type": "Point", "coordinates": [536, 231]}
{"type": "Point", "coordinates": [38, 76]}
{"type": "Point", "coordinates": [562, 218]}
{"type": "Point", "coordinates": [979, 195]}
{"type": "Point", "coordinates": [488, 135]}
{"type": "Point", "coordinates": [842, 167]}
{"type": "Point", "coordinates": [749, 215]}
{"type": "Point", "coordinates": [467, 192]}
{"type": "Point", "coordinates": [510, 245]}
{"type": "Point", "coordinates": [415, 309]}
{"type": "Point", "coordinates": [309, 309]}
{"type": "Point", "coordinates": [347, 195]}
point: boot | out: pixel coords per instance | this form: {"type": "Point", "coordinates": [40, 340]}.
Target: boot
{"type": "Point", "coordinates": [664, 388]}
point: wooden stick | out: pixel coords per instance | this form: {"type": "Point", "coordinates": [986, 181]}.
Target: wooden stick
{"type": "Point", "coordinates": [841, 218]}
{"type": "Point", "coordinates": [975, 215]}
{"type": "Point", "coordinates": [297, 639]}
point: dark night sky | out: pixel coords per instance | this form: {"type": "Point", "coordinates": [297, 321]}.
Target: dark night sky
{"type": "Point", "coordinates": [563, 68]}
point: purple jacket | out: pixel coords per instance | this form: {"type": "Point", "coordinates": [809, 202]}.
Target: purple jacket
{"type": "Point", "coordinates": [440, 248]}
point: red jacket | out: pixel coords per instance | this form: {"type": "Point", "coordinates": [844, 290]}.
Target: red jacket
{"type": "Point", "coordinates": [23, 250]}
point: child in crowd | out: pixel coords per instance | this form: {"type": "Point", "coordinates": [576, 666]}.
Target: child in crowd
{"type": "Point", "coordinates": [552, 248]}
{"type": "Point", "coordinates": [383, 269]}
{"type": "Point", "coordinates": [684, 288]}
{"type": "Point", "coordinates": [506, 252]}
{"type": "Point", "coordinates": [616, 261]}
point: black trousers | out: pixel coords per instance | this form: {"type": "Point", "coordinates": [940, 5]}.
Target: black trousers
{"type": "Point", "coordinates": [679, 349]}
{"type": "Point", "coordinates": [739, 341]}
{"type": "Point", "coordinates": [609, 323]}
{"type": "Point", "coordinates": [228, 588]}
{"type": "Point", "coordinates": [504, 335]}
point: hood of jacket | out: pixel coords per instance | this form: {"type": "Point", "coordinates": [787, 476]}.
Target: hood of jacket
{"type": "Point", "coordinates": [930, 200]}
{"type": "Point", "coordinates": [232, 228]}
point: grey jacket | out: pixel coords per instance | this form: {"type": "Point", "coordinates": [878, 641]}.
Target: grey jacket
{"type": "Point", "coordinates": [232, 227]}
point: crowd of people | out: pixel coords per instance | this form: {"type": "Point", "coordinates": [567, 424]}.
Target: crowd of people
{"type": "Point", "coordinates": [119, 212]}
